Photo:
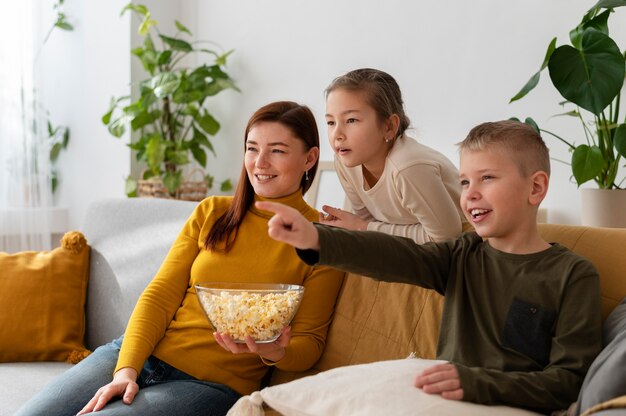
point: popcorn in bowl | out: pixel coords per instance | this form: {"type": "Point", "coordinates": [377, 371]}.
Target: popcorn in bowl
{"type": "Point", "coordinates": [260, 310]}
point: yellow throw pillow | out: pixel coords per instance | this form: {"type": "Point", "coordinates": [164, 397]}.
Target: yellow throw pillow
{"type": "Point", "coordinates": [42, 302]}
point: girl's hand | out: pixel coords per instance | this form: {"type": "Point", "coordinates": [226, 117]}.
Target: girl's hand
{"type": "Point", "coordinates": [124, 384]}
{"type": "Point", "coordinates": [441, 379]}
{"type": "Point", "coordinates": [289, 226]}
{"type": "Point", "coordinates": [273, 351]}
{"type": "Point", "coordinates": [343, 219]}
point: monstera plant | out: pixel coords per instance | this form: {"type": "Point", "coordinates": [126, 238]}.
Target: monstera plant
{"type": "Point", "coordinates": [171, 117]}
{"type": "Point", "coordinates": [589, 74]}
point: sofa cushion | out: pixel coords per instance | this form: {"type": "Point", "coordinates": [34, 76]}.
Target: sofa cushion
{"type": "Point", "coordinates": [381, 388]}
{"type": "Point", "coordinates": [21, 381]}
{"type": "Point", "coordinates": [614, 323]}
{"type": "Point", "coordinates": [42, 302]}
{"type": "Point", "coordinates": [129, 238]}
{"type": "Point", "coordinates": [377, 321]}
{"type": "Point", "coordinates": [605, 379]}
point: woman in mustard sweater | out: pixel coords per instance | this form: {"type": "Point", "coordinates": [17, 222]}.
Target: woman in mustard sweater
{"type": "Point", "coordinates": [169, 360]}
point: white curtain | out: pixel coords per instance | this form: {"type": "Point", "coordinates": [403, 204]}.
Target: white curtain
{"type": "Point", "coordinates": [25, 189]}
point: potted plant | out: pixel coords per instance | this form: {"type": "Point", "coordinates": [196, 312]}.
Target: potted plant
{"type": "Point", "coordinates": [170, 116]}
{"type": "Point", "coordinates": [589, 74]}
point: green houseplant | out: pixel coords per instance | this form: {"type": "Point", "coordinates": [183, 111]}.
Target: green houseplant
{"type": "Point", "coordinates": [170, 116]}
{"type": "Point", "coordinates": [589, 74]}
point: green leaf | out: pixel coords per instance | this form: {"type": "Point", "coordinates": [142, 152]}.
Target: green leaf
{"type": "Point", "coordinates": [600, 22]}
{"type": "Point", "coordinates": [172, 181]}
{"type": "Point", "coordinates": [190, 110]}
{"type": "Point", "coordinates": [138, 8]}
{"type": "Point", "coordinates": [221, 60]}
{"type": "Point", "coordinates": [219, 85]}
{"type": "Point", "coordinates": [164, 57]}
{"type": "Point", "coordinates": [144, 118]}
{"type": "Point", "coordinates": [146, 24]}
{"type": "Point", "coordinates": [117, 127]}
{"type": "Point", "coordinates": [50, 129]}
{"type": "Point", "coordinates": [164, 84]}
{"type": "Point", "coordinates": [130, 187]}
{"type": "Point", "coordinates": [587, 163]}
{"type": "Point", "coordinates": [226, 186]}
{"type": "Point", "coordinates": [199, 155]}
{"type": "Point", "coordinates": [572, 113]}
{"type": "Point", "coordinates": [107, 117]}
{"type": "Point", "coordinates": [590, 21]}
{"type": "Point", "coordinates": [619, 140]}
{"type": "Point", "coordinates": [54, 151]}
{"type": "Point", "coordinates": [177, 44]}
{"type": "Point", "coordinates": [592, 77]}
{"type": "Point", "coordinates": [149, 60]}
{"type": "Point", "coordinates": [549, 52]}
{"type": "Point", "coordinates": [66, 137]}
{"type": "Point", "coordinates": [209, 180]}
{"type": "Point", "coordinates": [134, 108]}
{"type": "Point", "coordinates": [54, 181]}
{"type": "Point", "coordinates": [155, 152]}
{"type": "Point", "coordinates": [533, 124]}
{"type": "Point", "coordinates": [201, 138]}
{"type": "Point", "coordinates": [609, 4]}
{"type": "Point", "coordinates": [534, 80]}
{"type": "Point", "coordinates": [208, 123]}
{"type": "Point", "coordinates": [64, 26]}
{"type": "Point", "coordinates": [148, 44]}
{"type": "Point", "coordinates": [530, 84]}
{"type": "Point", "coordinates": [181, 27]}
{"type": "Point", "coordinates": [177, 157]}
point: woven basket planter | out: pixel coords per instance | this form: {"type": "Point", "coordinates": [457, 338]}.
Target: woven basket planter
{"type": "Point", "coordinates": [189, 190]}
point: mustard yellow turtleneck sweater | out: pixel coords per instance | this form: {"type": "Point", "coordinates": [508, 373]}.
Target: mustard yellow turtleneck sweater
{"type": "Point", "coordinates": [169, 323]}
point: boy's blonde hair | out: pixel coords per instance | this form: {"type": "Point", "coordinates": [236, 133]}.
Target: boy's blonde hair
{"type": "Point", "coordinates": [520, 140]}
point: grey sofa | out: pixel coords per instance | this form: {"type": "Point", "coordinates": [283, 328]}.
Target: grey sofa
{"type": "Point", "coordinates": [129, 238]}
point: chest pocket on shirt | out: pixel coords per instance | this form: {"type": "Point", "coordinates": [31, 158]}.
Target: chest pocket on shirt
{"type": "Point", "coordinates": [528, 330]}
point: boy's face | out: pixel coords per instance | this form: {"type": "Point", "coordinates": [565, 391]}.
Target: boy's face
{"type": "Point", "coordinates": [495, 196]}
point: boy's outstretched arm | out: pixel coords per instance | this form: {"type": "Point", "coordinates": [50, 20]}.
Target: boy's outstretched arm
{"type": "Point", "coordinates": [289, 226]}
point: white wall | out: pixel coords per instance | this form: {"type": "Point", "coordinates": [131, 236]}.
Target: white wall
{"type": "Point", "coordinates": [457, 62]}
{"type": "Point", "coordinates": [83, 70]}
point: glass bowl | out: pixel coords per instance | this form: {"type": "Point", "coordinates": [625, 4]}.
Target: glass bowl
{"type": "Point", "coordinates": [260, 310]}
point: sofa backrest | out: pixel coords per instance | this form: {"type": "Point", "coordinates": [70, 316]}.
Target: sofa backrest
{"type": "Point", "coordinates": [381, 321]}
{"type": "Point", "coordinates": [605, 248]}
{"type": "Point", "coordinates": [129, 239]}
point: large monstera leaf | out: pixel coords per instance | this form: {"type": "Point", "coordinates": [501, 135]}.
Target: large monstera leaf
{"type": "Point", "coordinates": [592, 76]}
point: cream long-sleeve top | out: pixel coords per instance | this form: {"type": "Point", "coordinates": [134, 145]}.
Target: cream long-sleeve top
{"type": "Point", "coordinates": [417, 195]}
{"type": "Point", "coordinates": [169, 323]}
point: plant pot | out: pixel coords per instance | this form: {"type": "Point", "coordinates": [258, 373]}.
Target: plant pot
{"type": "Point", "coordinates": [189, 190]}
{"type": "Point", "coordinates": [603, 207]}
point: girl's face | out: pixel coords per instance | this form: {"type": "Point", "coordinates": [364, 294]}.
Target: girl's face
{"type": "Point", "coordinates": [276, 160]}
{"type": "Point", "coordinates": [355, 133]}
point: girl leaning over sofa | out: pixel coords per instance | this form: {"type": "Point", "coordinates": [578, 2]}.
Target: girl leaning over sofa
{"type": "Point", "coordinates": [169, 361]}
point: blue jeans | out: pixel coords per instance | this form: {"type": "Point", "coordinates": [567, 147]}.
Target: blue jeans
{"type": "Point", "coordinates": [163, 390]}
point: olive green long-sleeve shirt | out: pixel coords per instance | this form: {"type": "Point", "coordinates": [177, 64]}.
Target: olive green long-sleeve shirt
{"type": "Point", "coordinates": [522, 330]}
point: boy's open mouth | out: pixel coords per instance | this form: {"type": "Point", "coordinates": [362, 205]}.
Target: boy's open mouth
{"type": "Point", "coordinates": [478, 212]}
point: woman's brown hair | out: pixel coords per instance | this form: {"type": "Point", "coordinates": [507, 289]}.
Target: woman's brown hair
{"type": "Point", "coordinates": [297, 118]}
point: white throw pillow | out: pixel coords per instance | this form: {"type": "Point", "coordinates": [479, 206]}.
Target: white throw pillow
{"type": "Point", "coordinates": [380, 388]}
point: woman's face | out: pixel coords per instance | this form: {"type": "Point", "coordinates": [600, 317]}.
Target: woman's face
{"type": "Point", "coordinates": [276, 160]}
